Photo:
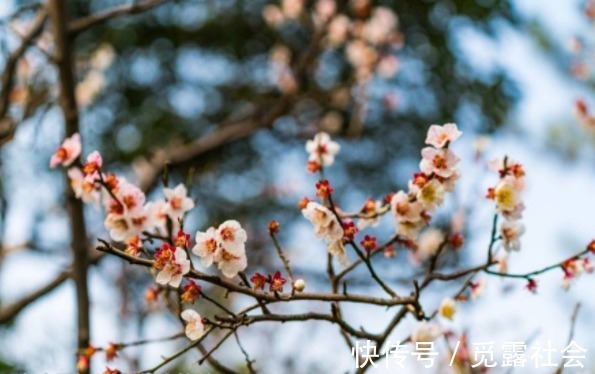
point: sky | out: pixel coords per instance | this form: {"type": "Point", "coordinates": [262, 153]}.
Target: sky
{"type": "Point", "coordinates": [557, 193]}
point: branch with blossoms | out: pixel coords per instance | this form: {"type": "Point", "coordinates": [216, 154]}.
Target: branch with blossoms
{"type": "Point", "coordinates": [151, 234]}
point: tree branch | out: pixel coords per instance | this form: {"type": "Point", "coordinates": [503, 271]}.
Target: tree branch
{"type": "Point", "coordinates": [148, 170]}
{"type": "Point", "coordinates": [268, 297]}
{"type": "Point", "coordinates": [7, 124]}
{"type": "Point", "coordinates": [10, 311]}
{"type": "Point", "coordinates": [77, 26]}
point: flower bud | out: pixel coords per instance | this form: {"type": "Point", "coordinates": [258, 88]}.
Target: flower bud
{"type": "Point", "coordinates": [273, 227]}
{"type": "Point", "coordinates": [299, 285]}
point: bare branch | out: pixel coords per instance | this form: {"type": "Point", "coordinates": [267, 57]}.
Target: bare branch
{"type": "Point", "coordinates": [82, 24]}
{"type": "Point", "coordinates": [268, 297]}
{"type": "Point", "coordinates": [7, 313]}
{"type": "Point", "coordinates": [10, 311]}
{"type": "Point", "coordinates": [573, 319]}
{"type": "Point", "coordinates": [148, 170]}
{"type": "Point", "coordinates": [7, 124]}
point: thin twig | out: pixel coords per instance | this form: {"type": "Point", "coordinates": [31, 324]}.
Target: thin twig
{"type": "Point", "coordinates": [249, 362]}
{"type": "Point", "coordinates": [282, 256]}
{"type": "Point", "coordinates": [82, 24]}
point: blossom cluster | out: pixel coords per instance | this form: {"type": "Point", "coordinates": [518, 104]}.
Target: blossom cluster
{"type": "Point", "coordinates": [367, 34]}
{"type": "Point", "coordinates": [507, 196]}
{"type": "Point", "coordinates": [438, 173]}
{"type": "Point", "coordinates": [131, 219]}
{"type": "Point", "coordinates": [224, 246]}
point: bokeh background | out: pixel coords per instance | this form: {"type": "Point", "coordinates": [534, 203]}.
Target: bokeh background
{"type": "Point", "coordinates": [507, 72]}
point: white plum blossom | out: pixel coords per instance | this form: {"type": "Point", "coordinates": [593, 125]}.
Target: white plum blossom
{"type": "Point", "coordinates": [178, 202]}
{"type": "Point", "coordinates": [120, 227]}
{"type": "Point", "coordinates": [206, 246]}
{"type": "Point", "coordinates": [127, 215]}
{"type": "Point", "coordinates": [371, 208]}
{"type": "Point", "coordinates": [322, 149]}
{"type": "Point", "coordinates": [67, 152]}
{"type": "Point", "coordinates": [84, 187]}
{"type": "Point", "coordinates": [224, 246]}
{"type": "Point", "coordinates": [157, 217]}
{"type": "Point", "coordinates": [441, 162]}
{"type": "Point", "coordinates": [511, 232]}
{"type": "Point", "coordinates": [427, 189]}
{"type": "Point", "coordinates": [425, 332]}
{"type": "Point", "coordinates": [506, 196]}
{"type": "Point", "coordinates": [428, 243]}
{"type": "Point", "coordinates": [448, 308]}
{"type": "Point", "coordinates": [404, 209]}
{"type": "Point", "coordinates": [439, 136]}
{"type": "Point", "coordinates": [232, 236]}
{"type": "Point", "coordinates": [174, 270]}
{"type": "Point", "coordinates": [195, 329]}
{"type": "Point", "coordinates": [327, 227]}
{"type": "Point", "coordinates": [337, 249]}
{"type": "Point", "coordinates": [231, 263]}
{"type": "Point", "coordinates": [431, 195]}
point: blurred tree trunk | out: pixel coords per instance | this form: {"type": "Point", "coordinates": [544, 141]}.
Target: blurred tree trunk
{"type": "Point", "coordinates": [67, 101]}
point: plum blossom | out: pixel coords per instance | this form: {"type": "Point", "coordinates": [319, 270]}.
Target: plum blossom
{"type": "Point", "coordinates": [448, 308]}
{"type": "Point", "coordinates": [277, 282]}
{"type": "Point", "coordinates": [231, 263]}
{"type": "Point", "coordinates": [67, 152]}
{"type": "Point", "coordinates": [440, 136]}
{"type": "Point", "coordinates": [337, 250]}
{"type": "Point", "coordinates": [506, 195]}
{"type": "Point", "coordinates": [93, 164]}
{"type": "Point", "coordinates": [195, 329]}
{"type": "Point", "coordinates": [231, 236]}
{"type": "Point", "coordinates": [178, 201]}
{"type": "Point", "coordinates": [258, 281]}
{"type": "Point", "coordinates": [322, 149]}
{"type": "Point", "coordinates": [157, 217]}
{"type": "Point", "coordinates": [173, 268]}
{"type": "Point", "coordinates": [404, 209]}
{"type": "Point", "coordinates": [327, 227]}
{"type": "Point", "coordinates": [206, 246]}
{"type": "Point", "coordinates": [438, 175]}
{"type": "Point", "coordinates": [224, 246]}
{"type": "Point", "coordinates": [122, 227]}
{"type": "Point", "coordinates": [370, 208]}
{"type": "Point", "coordinates": [130, 198]}
{"type": "Point", "coordinates": [573, 268]}
{"type": "Point", "coordinates": [127, 215]}
{"type": "Point", "coordinates": [84, 187]}
{"type": "Point", "coordinates": [441, 162]}
{"type": "Point", "coordinates": [431, 195]}
{"type": "Point", "coordinates": [428, 243]}
{"type": "Point", "coordinates": [425, 332]}
{"type": "Point", "coordinates": [511, 232]}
